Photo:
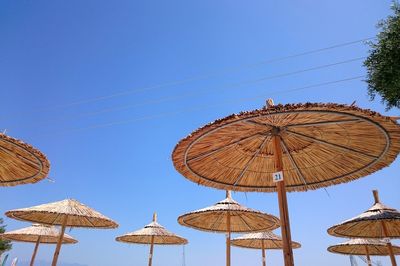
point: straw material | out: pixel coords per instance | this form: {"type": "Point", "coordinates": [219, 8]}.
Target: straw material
{"type": "Point", "coordinates": [369, 224]}
{"type": "Point", "coordinates": [153, 230]}
{"type": "Point", "coordinates": [242, 219]}
{"type": "Point", "coordinates": [48, 235]}
{"type": "Point", "coordinates": [20, 163]}
{"type": "Point", "coordinates": [322, 144]}
{"type": "Point", "coordinates": [358, 246]}
{"type": "Point", "coordinates": [54, 213]}
{"type": "Point", "coordinates": [266, 240]}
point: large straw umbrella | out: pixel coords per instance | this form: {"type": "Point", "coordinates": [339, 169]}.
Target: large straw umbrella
{"type": "Point", "coordinates": [293, 147]}
{"type": "Point", "coordinates": [152, 234]}
{"type": "Point", "coordinates": [20, 163]}
{"type": "Point", "coordinates": [229, 216]}
{"type": "Point", "coordinates": [379, 221]}
{"type": "Point", "coordinates": [38, 234]}
{"type": "Point", "coordinates": [261, 240]}
{"type": "Point", "coordinates": [67, 213]}
{"type": "Point", "coordinates": [364, 247]}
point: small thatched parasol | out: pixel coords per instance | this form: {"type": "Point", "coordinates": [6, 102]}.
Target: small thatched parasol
{"type": "Point", "coordinates": [293, 147]}
{"type": "Point", "coordinates": [152, 234]}
{"type": "Point", "coordinates": [229, 216]}
{"type": "Point", "coordinates": [365, 247]}
{"type": "Point", "coordinates": [261, 240]}
{"type": "Point", "coordinates": [67, 213]}
{"type": "Point", "coordinates": [38, 234]}
{"type": "Point", "coordinates": [20, 163]}
{"type": "Point", "coordinates": [379, 221]}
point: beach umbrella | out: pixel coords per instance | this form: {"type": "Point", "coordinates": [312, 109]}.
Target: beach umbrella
{"type": "Point", "coordinates": [364, 247]}
{"type": "Point", "coordinates": [293, 147]}
{"type": "Point", "coordinates": [229, 216]}
{"type": "Point", "coordinates": [66, 213]}
{"type": "Point", "coordinates": [20, 163]}
{"type": "Point", "coordinates": [261, 240]}
{"type": "Point", "coordinates": [38, 234]}
{"type": "Point", "coordinates": [379, 221]}
{"type": "Point", "coordinates": [152, 234]}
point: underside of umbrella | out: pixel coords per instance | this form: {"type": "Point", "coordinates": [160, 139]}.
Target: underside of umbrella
{"type": "Point", "coordinates": [20, 163]}
{"type": "Point", "coordinates": [322, 144]}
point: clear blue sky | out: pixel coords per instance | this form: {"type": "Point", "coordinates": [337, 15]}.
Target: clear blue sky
{"type": "Point", "coordinates": [113, 154]}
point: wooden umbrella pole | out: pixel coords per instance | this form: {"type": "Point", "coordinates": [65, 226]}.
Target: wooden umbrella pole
{"type": "Point", "coordinates": [368, 257]}
{"type": "Point", "coordinates": [151, 251]}
{"type": "Point", "coordinates": [228, 240]}
{"type": "Point", "coordinates": [283, 206]}
{"type": "Point", "coordinates": [58, 247]}
{"type": "Point", "coordinates": [35, 251]}
{"type": "Point", "coordinates": [389, 245]}
{"type": "Point", "coordinates": [264, 262]}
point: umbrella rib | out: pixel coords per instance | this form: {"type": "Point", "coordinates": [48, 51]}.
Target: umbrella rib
{"type": "Point", "coordinates": [248, 226]}
{"type": "Point", "coordinates": [222, 148]}
{"type": "Point", "coordinates": [323, 123]}
{"type": "Point", "coordinates": [6, 150]}
{"type": "Point", "coordinates": [257, 123]}
{"type": "Point", "coordinates": [293, 161]}
{"type": "Point", "coordinates": [331, 144]}
{"type": "Point", "coordinates": [87, 219]}
{"type": "Point", "coordinates": [251, 160]}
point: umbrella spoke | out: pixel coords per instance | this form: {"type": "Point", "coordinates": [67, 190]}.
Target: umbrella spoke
{"type": "Point", "coordinates": [260, 148]}
{"type": "Point", "coordinates": [208, 153]}
{"type": "Point", "coordinates": [8, 151]}
{"type": "Point", "coordinates": [293, 161]}
{"type": "Point", "coordinates": [323, 123]}
{"type": "Point", "coordinates": [244, 221]}
{"type": "Point", "coordinates": [313, 139]}
{"type": "Point", "coordinates": [258, 123]}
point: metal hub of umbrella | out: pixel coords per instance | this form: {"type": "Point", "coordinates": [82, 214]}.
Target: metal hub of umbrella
{"type": "Point", "coordinates": [262, 241]}
{"type": "Point", "coordinates": [229, 216]}
{"type": "Point", "coordinates": [293, 147]}
{"type": "Point", "coordinates": [20, 163]}
{"type": "Point", "coordinates": [379, 221]}
{"type": "Point", "coordinates": [66, 213]}
{"type": "Point", "coordinates": [152, 234]}
{"type": "Point", "coordinates": [364, 247]}
{"type": "Point", "coordinates": [38, 234]}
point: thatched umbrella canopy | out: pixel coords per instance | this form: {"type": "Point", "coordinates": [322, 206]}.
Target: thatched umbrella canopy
{"type": "Point", "coordinates": [67, 213]}
{"type": "Point", "coordinates": [38, 234]}
{"type": "Point", "coordinates": [379, 221]}
{"type": "Point", "coordinates": [20, 163]}
{"type": "Point", "coordinates": [261, 240]}
{"type": "Point", "coordinates": [229, 216]}
{"type": "Point", "coordinates": [293, 147]}
{"type": "Point", "coordinates": [364, 247]}
{"type": "Point", "coordinates": [152, 234]}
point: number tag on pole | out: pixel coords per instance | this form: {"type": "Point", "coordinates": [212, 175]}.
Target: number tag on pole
{"type": "Point", "coordinates": [277, 177]}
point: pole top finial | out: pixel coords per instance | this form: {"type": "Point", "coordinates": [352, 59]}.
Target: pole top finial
{"type": "Point", "coordinates": [376, 195]}
{"type": "Point", "coordinates": [269, 103]}
{"type": "Point", "coordinates": [228, 194]}
{"type": "Point", "coordinates": [155, 217]}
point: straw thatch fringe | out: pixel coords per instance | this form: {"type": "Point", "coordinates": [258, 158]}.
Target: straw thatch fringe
{"type": "Point", "coordinates": [154, 231]}
{"type": "Point", "coordinates": [48, 235]}
{"type": "Point", "coordinates": [266, 240]}
{"type": "Point", "coordinates": [79, 215]}
{"type": "Point", "coordinates": [229, 153]}
{"type": "Point", "coordinates": [358, 246]}
{"type": "Point", "coordinates": [20, 163]}
{"type": "Point", "coordinates": [242, 219]}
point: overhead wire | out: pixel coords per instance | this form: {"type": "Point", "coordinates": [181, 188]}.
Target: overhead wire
{"type": "Point", "coordinates": [201, 107]}
{"type": "Point", "coordinates": [186, 95]}
{"type": "Point", "coordinates": [205, 76]}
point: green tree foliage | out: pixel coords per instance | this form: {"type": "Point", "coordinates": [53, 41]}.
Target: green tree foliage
{"type": "Point", "coordinates": [5, 245]}
{"type": "Point", "coordinates": [383, 63]}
